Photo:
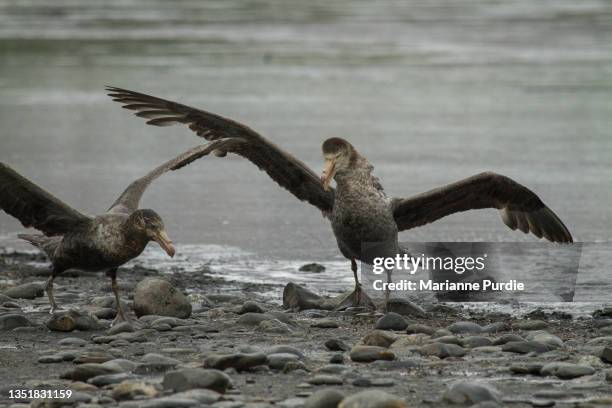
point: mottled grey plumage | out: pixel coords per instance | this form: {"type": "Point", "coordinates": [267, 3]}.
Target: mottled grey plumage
{"type": "Point", "coordinates": [358, 209]}
{"type": "Point", "coordinates": [104, 242]}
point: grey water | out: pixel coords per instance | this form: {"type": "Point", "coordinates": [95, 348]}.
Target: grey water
{"type": "Point", "coordinates": [429, 91]}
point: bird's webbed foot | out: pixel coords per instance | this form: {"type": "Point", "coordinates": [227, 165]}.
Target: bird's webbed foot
{"type": "Point", "coordinates": [357, 298]}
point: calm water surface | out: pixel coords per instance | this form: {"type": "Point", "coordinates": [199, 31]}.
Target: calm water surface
{"type": "Point", "coordinates": [430, 92]}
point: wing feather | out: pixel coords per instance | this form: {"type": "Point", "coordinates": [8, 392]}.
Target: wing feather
{"type": "Point", "coordinates": [35, 207]}
{"type": "Point", "coordinates": [286, 170]}
{"type": "Point", "coordinates": [129, 200]}
{"type": "Point", "coordinates": [520, 208]}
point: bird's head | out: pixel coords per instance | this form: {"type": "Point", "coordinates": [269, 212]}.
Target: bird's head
{"type": "Point", "coordinates": [151, 224]}
{"type": "Point", "coordinates": [338, 155]}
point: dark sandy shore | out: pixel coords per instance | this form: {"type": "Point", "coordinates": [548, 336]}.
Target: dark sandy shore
{"type": "Point", "coordinates": [270, 356]}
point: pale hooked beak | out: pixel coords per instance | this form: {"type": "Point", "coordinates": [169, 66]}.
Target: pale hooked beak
{"type": "Point", "coordinates": [165, 242]}
{"type": "Point", "coordinates": [328, 173]}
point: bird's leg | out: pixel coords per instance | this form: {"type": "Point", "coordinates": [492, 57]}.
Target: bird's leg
{"type": "Point", "coordinates": [49, 290]}
{"type": "Point", "coordinates": [357, 284]}
{"type": "Point", "coordinates": [357, 297]}
{"type": "Point", "coordinates": [387, 291]}
{"type": "Point", "coordinates": [120, 317]}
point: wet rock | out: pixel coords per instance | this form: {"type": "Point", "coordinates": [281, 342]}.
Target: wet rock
{"type": "Point", "coordinates": [598, 323]}
{"type": "Point", "coordinates": [51, 359]}
{"type": "Point", "coordinates": [420, 328]}
{"type": "Point", "coordinates": [323, 379]}
{"type": "Point", "coordinates": [486, 404]}
{"type": "Point", "coordinates": [158, 297]}
{"type": "Point", "coordinates": [442, 350]}
{"type": "Point", "coordinates": [449, 340]}
{"type": "Point", "coordinates": [524, 347]}
{"type": "Point", "coordinates": [129, 390]}
{"type": "Point", "coordinates": [73, 342]}
{"type": "Point", "coordinates": [592, 361]}
{"type": "Point", "coordinates": [203, 396]}
{"type": "Point", "coordinates": [277, 361]}
{"type": "Point", "coordinates": [152, 362]}
{"type": "Point", "coordinates": [29, 290]}
{"type": "Point", "coordinates": [282, 348]}
{"type": "Point", "coordinates": [465, 328]}
{"type": "Point", "coordinates": [391, 321]}
{"type": "Point", "coordinates": [566, 371]}
{"type": "Point", "coordinates": [476, 341]}
{"type": "Point", "coordinates": [524, 369]}
{"type": "Point", "coordinates": [251, 307]}
{"type": "Point", "coordinates": [337, 369]}
{"type": "Point", "coordinates": [507, 338]}
{"type": "Point", "coordinates": [606, 355]}
{"type": "Point", "coordinates": [61, 322]}
{"type": "Point", "coordinates": [550, 340]}
{"type": "Point", "coordinates": [66, 321]}
{"type": "Point", "coordinates": [372, 399]}
{"type": "Point", "coordinates": [135, 337]}
{"type": "Point", "coordinates": [471, 393]}
{"type": "Point", "coordinates": [294, 366]}
{"type": "Point", "coordinates": [367, 354]}
{"type": "Point", "coordinates": [495, 327]}
{"type": "Point", "coordinates": [530, 325]}
{"type": "Point", "coordinates": [95, 357]}
{"type": "Point", "coordinates": [86, 371]}
{"type": "Point", "coordinates": [297, 297]}
{"type": "Point", "coordinates": [274, 326]}
{"type": "Point", "coordinates": [336, 345]}
{"type": "Point", "coordinates": [601, 313]}
{"type": "Point", "coordinates": [405, 307]}
{"type": "Point", "coordinates": [108, 379]}
{"type": "Point", "coordinates": [105, 313]}
{"type": "Point", "coordinates": [327, 398]}
{"type": "Point", "coordinates": [608, 376]}
{"type": "Point", "coordinates": [253, 319]}
{"type": "Point", "coordinates": [336, 359]}
{"type": "Point", "coordinates": [378, 338]}
{"type": "Point", "coordinates": [325, 324]}
{"type": "Point", "coordinates": [441, 333]}
{"type": "Point", "coordinates": [601, 341]}
{"type": "Point", "coordinates": [189, 378]}
{"type": "Point", "coordinates": [12, 321]}
{"type": "Point", "coordinates": [121, 327]}
{"type": "Point", "coordinates": [238, 361]}
{"type": "Point", "coordinates": [312, 267]}
{"type": "Point", "coordinates": [169, 402]}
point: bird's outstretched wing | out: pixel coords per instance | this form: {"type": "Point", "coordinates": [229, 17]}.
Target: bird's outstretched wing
{"type": "Point", "coordinates": [289, 172]}
{"type": "Point", "coordinates": [129, 200]}
{"type": "Point", "coordinates": [35, 207]}
{"type": "Point", "coordinates": [519, 207]}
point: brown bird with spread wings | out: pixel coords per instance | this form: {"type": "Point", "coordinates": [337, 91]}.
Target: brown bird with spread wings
{"type": "Point", "coordinates": [104, 242]}
{"type": "Point", "coordinates": [358, 208]}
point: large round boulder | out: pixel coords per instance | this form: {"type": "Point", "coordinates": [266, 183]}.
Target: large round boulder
{"type": "Point", "coordinates": [154, 296]}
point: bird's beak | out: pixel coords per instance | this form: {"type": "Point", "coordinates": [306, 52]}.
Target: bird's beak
{"type": "Point", "coordinates": [165, 242]}
{"type": "Point", "coordinates": [328, 173]}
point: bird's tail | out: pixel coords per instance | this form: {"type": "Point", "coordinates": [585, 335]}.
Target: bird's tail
{"type": "Point", "coordinates": [46, 244]}
{"type": "Point", "coordinates": [35, 239]}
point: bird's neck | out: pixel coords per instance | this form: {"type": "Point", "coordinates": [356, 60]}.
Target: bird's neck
{"type": "Point", "coordinates": [358, 178]}
{"type": "Point", "coordinates": [135, 237]}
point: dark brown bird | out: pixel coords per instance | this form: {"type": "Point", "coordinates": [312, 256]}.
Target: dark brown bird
{"type": "Point", "coordinates": [103, 242]}
{"type": "Point", "coordinates": [358, 208]}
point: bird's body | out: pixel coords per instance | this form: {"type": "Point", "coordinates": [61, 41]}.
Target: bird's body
{"type": "Point", "coordinates": [104, 242]}
{"type": "Point", "coordinates": [359, 211]}
{"type": "Point", "coordinates": [107, 243]}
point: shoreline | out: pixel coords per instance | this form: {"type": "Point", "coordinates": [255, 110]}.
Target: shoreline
{"type": "Point", "coordinates": [417, 363]}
